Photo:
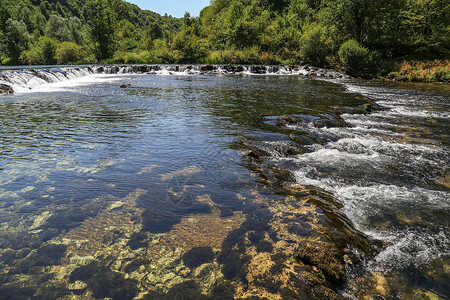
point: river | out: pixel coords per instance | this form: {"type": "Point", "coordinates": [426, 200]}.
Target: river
{"type": "Point", "coordinates": [212, 184]}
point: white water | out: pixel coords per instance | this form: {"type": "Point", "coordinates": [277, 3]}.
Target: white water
{"type": "Point", "coordinates": [33, 80]}
{"type": "Point", "coordinates": [362, 168]}
{"type": "Point", "coordinates": [383, 179]}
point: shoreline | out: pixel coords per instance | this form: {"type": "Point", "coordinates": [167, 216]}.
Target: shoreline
{"type": "Point", "coordinates": [405, 71]}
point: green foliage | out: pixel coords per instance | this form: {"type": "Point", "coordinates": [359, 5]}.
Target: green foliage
{"type": "Point", "coordinates": [319, 32]}
{"type": "Point", "coordinates": [313, 48]}
{"type": "Point", "coordinates": [103, 23]}
{"type": "Point", "coordinates": [161, 51]}
{"type": "Point", "coordinates": [137, 57]}
{"type": "Point", "coordinates": [431, 71]}
{"type": "Point", "coordinates": [41, 53]}
{"type": "Point", "coordinates": [190, 46]}
{"type": "Point", "coordinates": [354, 57]}
{"type": "Point", "coordinates": [69, 52]}
{"type": "Point", "coordinates": [16, 39]}
{"type": "Point", "coordinates": [66, 29]}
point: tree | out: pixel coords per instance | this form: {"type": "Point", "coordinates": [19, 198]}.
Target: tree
{"type": "Point", "coordinates": [16, 39]}
{"type": "Point", "coordinates": [4, 16]}
{"type": "Point", "coordinates": [69, 52]}
{"type": "Point", "coordinates": [42, 52]}
{"type": "Point", "coordinates": [354, 57]}
{"type": "Point", "coordinates": [312, 45]}
{"type": "Point", "coordinates": [189, 44]}
{"type": "Point", "coordinates": [66, 29]}
{"type": "Point", "coordinates": [103, 20]}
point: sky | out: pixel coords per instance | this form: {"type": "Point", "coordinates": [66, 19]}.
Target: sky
{"type": "Point", "coordinates": [176, 8]}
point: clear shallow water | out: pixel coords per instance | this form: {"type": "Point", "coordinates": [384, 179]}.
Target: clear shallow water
{"type": "Point", "coordinates": [102, 180]}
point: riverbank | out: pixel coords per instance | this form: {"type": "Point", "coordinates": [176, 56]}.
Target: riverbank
{"type": "Point", "coordinates": [434, 71]}
{"type": "Point", "coordinates": [421, 71]}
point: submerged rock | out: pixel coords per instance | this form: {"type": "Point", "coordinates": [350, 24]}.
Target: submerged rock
{"type": "Point", "coordinates": [6, 89]}
{"type": "Point", "coordinates": [366, 109]}
{"type": "Point", "coordinates": [324, 256]}
{"type": "Point", "coordinates": [330, 123]}
{"type": "Point", "coordinates": [288, 120]}
{"type": "Point", "coordinates": [445, 181]}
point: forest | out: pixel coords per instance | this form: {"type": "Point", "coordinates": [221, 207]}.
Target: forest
{"type": "Point", "coordinates": [365, 37]}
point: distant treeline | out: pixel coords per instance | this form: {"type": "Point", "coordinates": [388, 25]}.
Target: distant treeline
{"type": "Point", "coordinates": [360, 35]}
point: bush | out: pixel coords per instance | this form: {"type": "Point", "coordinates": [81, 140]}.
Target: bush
{"type": "Point", "coordinates": [191, 47]}
{"type": "Point", "coordinates": [136, 57]}
{"type": "Point", "coordinates": [355, 57]}
{"type": "Point", "coordinates": [432, 71]}
{"type": "Point", "coordinates": [42, 52]}
{"type": "Point", "coordinates": [69, 52]}
{"type": "Point", "coordinates": [312, 46]}
{"type": "Point", "coordinates": [161, 51]}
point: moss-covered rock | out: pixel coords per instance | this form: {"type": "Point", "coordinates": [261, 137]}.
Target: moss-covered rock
{"type": "Point", "coordinates": [325, 256]}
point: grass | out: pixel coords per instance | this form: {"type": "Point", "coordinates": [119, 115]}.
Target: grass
{"type": "Point", "coordinates": [419, 71]}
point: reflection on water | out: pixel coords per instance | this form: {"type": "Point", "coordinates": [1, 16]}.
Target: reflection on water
{"type": "Point", "coordinates": [154, 191]}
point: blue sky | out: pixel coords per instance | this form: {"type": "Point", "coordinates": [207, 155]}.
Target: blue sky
{"type": "Point", "coordinates": [176, 8]}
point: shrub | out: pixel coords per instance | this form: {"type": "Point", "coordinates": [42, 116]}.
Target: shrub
{"type": "Point", "coordinates": [313, 48]}
{"type": "Point", "coordinates": [213, 58]}
{"type": "Point", "coordinates": [431, 71]}
{"type": "Point", "coordinates": [42, 52]}
{"type": "Point", "coordinates": [190, 46]}
{"type": "Point", "coordinates": [161, 51]}
{"type": "Point", "coordinates": [354, 57]}
{"type": "Point", "coordinates": [69, 52]}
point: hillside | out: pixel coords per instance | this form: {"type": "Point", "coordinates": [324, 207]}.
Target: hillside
{"type": "Point", "coordinates": [364, 36]}
{"type": "Point", "coordinates": [31, 22]}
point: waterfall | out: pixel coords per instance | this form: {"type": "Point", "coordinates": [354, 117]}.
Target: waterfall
{"type": "Point", "coordinates": [28, 79]}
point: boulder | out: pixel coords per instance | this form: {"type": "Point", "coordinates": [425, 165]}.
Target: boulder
{"type": "Point", "coordinates": [288, 120]}
{"type": "Point", "coordinates": [329, 123]}
{"type": "Point", "coordinates": [339, 110]}
{"type": "Point", "coordinates": [325, 256]}
{"type": "Point", "coordinates": [6, 89]}
{"type": "Point", "coordinates": [207, 68]}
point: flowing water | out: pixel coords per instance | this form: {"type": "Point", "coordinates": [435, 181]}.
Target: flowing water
{"type": "Point", "coordinates": [150, 190]}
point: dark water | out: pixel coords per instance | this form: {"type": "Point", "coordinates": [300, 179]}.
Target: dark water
{"type": "Point", "coordinates": [110, 192]}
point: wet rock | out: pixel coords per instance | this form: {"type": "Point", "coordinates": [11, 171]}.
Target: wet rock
{"type": "Point", "coordinates": [168, 277]}
{"type": "Point", "coordinates": [288, 120]}
{"type": "Point", "coordinates": [198, 256]}
{"type": "Point", "coordinates": [302, 140]}
{"type": "Point", "coordinates": [330, 123]}
{"type": "Point", "coordinates": [77, 285]}
{"type": "Point", "coordinates": [252, 154]}
{"type": "Point", "coordinates": [381, 284]}
{"type": "Point", "coordinates": [45, 256]}
{"type": "Point", "coordinates": [222, 291]}
{"type": "Point", "coordinates": [135, 264]}
{"type": "Point", "coordinates": [207, 68]}
{"type": "Point", "coordinates": [366, 109]}
{"type": "Point", "coordinates": [325, 256]}
{"type": "Point", "coordinates": [280, 177]}
{"type": "Point", "coordinates": [103, 282]}
{"type": "Point", "coordinates": [445, 181]}
{"type": "Point", "coordinates": [5, 89]}
{"type": "Point", "coordinates": [81, 260]}
{"type": "Point", "coordinates": [203, 271]}
{"type": "Point", "coordinates": [187, 290]}
{"type": "Point", "coordinates": [16, 292]}
{"type": "Point", "coordinates": [138, 240]}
